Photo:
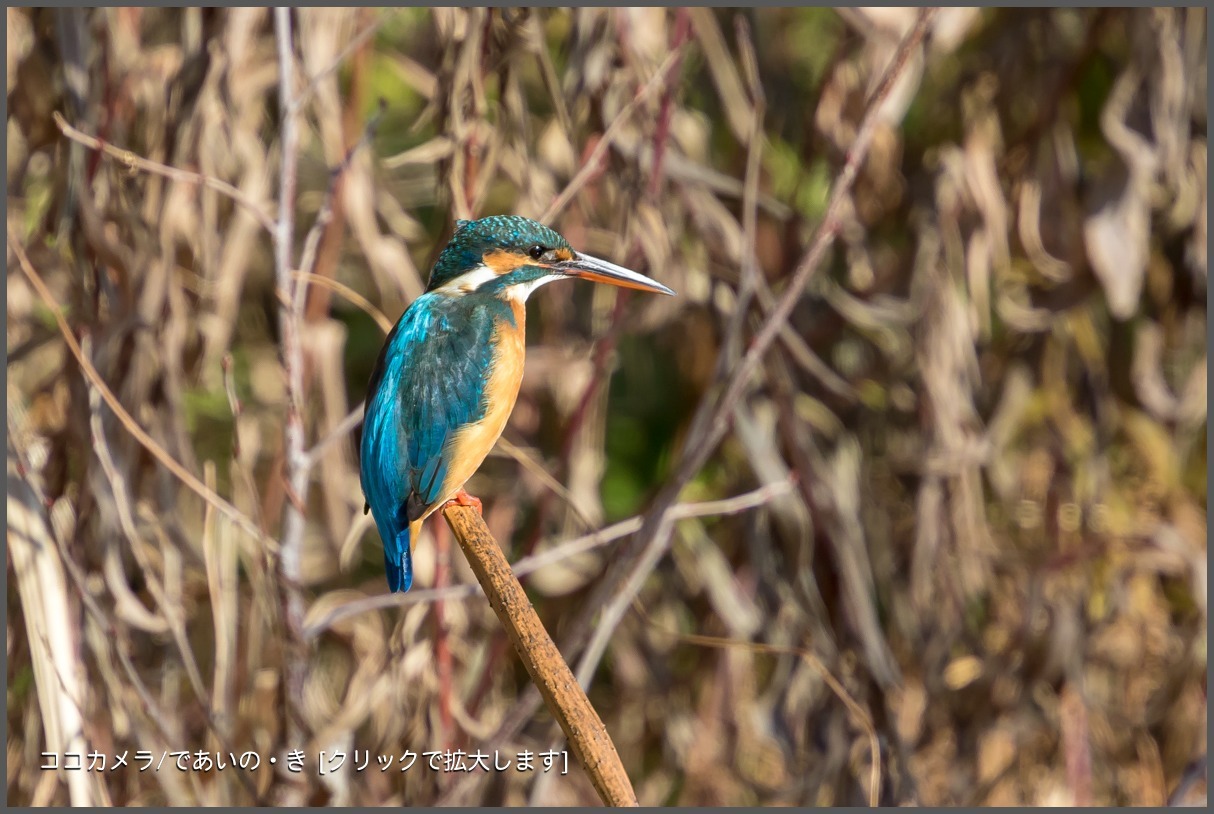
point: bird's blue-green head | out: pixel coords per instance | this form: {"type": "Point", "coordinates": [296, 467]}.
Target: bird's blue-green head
{"type": "Point", "coordinates": [510, 256]}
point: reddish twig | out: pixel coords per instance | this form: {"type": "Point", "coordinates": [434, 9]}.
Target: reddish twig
{"type": "Point", "coordinates": [591, 165]}
{"type": "Point", "coordinates": [329, 250]}
{"type": "Point", "coordinates": [682, 31]}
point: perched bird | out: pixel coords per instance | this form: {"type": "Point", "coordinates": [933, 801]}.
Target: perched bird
{"type": "Point", "coordinates": [449, 372]}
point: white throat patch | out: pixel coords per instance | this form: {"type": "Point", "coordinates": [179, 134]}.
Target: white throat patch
{"type": "Point", "coordinates": [470, 281]}
{"type": "Point", "coordinates": [520, 292]}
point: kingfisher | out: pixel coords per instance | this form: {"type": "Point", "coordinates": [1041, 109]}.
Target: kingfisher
{"type": "Point", "coordinates": [449, 372]}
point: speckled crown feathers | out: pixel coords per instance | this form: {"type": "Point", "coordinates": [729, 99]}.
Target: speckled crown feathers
{"type": "Point", "coordinates": [473, 238]}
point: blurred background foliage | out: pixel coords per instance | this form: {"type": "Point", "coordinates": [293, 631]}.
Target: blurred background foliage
{"type": "Point", "coordinates": [978, 553]}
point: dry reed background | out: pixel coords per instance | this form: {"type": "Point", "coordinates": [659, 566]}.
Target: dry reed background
{"type": "Point", "coordinates": [969, 533]}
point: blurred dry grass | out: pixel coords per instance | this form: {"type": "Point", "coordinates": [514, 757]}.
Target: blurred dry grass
{"type": "Point", "coordinates": [991, 401]}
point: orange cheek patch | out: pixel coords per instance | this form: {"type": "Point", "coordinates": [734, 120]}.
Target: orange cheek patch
{"type": "Point", "coordinates": [504, 262]}
{"type": "Point", "coordinates": [564, 254]}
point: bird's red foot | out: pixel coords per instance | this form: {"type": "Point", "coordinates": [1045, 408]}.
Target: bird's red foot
{"type": "Point", "coordinates": [462, 498]}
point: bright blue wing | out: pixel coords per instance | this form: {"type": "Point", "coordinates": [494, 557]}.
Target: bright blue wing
{"type": "Point", "coordinates": [428, 383]}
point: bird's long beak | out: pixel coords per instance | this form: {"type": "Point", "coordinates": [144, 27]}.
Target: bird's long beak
{"type": "Point", "coordinates": [600, 271]}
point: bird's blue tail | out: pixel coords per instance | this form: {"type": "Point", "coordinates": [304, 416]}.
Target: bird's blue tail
{"type": "Point", "coordinates": [398, 563]}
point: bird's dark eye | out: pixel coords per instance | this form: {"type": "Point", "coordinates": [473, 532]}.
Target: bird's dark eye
{"type": "Point", "coordinates": [536, 251]}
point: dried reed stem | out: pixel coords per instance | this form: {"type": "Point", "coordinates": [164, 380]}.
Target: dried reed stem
{"type": "Point", "coordinates": [290, 565]}
{"type": "Point", "coordinates": [52, 626]}
{"type": "Point", "coordinates": [564, 696]}
{"type": "Point", "coordinates": [292, 350]}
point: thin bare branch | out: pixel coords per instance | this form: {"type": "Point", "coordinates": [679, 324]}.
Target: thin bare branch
{"type": "Point", "coordinates": [241, 520]}
{"type": "Point", "coordinates": [136, 162]}
{"type": "Point", "coordinates": [571, 548]}
{"type": "Point", "coordinates": [290, 315]}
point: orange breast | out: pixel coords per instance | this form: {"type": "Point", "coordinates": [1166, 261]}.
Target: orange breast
{"type": "Point", "coordinates": [470, 445]}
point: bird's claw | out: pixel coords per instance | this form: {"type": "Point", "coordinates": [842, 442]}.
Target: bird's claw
{"type": "Point", "coordinates": [462, 498]}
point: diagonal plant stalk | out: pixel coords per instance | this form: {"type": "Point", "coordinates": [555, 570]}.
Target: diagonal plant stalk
{"type": "Point", "coordinates": [564, 696]}
{"type": "Point", "coordinates": [592, 627]}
